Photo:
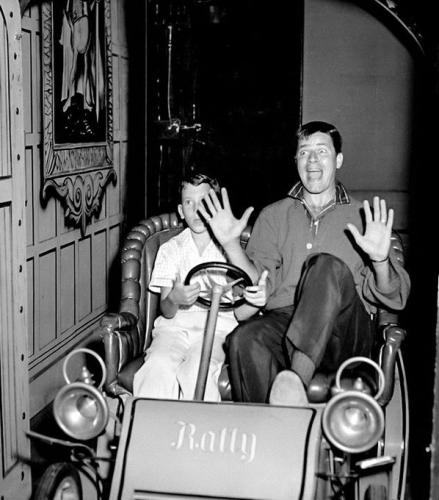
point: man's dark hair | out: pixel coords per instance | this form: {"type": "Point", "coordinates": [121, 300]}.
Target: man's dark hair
{"type": "Point", "coordinates": [197, 178]}
{"type": "Point", "coordinates": [310, 128]}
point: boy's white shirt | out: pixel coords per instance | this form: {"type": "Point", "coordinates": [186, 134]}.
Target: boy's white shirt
{"type": "Point", "coordinates": [178, 256]}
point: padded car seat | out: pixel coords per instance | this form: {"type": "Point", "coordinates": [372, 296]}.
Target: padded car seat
{"type": "Point", "coordinates": [127, 333]}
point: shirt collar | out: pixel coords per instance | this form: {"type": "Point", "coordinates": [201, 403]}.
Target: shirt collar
{"type": "Point", "coordinates": [341, 195]}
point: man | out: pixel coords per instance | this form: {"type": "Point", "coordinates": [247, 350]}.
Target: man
{"type": "Point", "coordinates": [330, 266]}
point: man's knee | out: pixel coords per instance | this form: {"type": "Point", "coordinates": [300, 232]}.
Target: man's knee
{"type": "Point", "coordinates": [326, 260]}
{"type": "Point", "coordinates": [328, 264]}
{"type": "Point", "coordinates": [253, 339]}
{"type": "Point", "coordinates": [241, 337]}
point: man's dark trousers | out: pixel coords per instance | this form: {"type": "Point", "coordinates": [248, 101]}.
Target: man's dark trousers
{"type": "Point", "coordinates": [327, 324]}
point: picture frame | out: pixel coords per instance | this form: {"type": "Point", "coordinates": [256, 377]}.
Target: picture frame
{"type": "Point", "coordinates": [77, 106]}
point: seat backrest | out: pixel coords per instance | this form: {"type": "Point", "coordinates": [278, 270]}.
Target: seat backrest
{"type": "Point", "coordinates": [137, 260]}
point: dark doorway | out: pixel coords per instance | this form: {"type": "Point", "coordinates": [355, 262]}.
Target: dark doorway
{"type": "Point", "coordinates": [235, 69]}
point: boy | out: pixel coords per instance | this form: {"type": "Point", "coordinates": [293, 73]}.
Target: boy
{"type": "Point", "coordinates": [172, 360]}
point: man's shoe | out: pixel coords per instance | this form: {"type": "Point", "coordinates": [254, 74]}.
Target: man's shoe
{"type": "Point", "coordinates": [288, 390]}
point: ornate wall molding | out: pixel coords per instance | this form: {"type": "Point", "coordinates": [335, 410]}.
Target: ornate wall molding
{"type": "Point", "coordinates": [77, 107]}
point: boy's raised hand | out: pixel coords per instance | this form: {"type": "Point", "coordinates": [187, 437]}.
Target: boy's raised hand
{"type": "Point", "coordinates": [225, 226]}
{"type": "Point", "coordinates": [256, 295]}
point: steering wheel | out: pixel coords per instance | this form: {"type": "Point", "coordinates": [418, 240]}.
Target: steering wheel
{"type": "Point", "coordinates": [235, 277]}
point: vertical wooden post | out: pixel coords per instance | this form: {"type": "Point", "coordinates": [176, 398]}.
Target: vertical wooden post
{"type": "Point", "coordinates": [15, 481]}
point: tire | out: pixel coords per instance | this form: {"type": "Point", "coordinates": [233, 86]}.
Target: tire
{"type": "Point", "coordinates": [60, 480]}
{"type": "Point", "coordinates": [376, 492]}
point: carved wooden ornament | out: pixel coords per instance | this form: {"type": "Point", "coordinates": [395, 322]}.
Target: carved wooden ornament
{"type": "Point", "coordinates": [77, 100]}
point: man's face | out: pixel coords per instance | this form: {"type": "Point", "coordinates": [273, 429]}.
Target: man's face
{"type": "Point", "coordinates": [317, 163]}
{"type": "Point", "coordinates": [191, 198]}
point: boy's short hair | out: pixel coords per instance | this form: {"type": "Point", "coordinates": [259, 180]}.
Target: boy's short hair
{"type": "Point", "coordinates": [311, 128]}
{"type": "Point", "coordinates": [197, 178]}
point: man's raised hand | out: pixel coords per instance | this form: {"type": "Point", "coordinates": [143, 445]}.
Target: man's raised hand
{"type": "Point", "coordinates": [376, 239]}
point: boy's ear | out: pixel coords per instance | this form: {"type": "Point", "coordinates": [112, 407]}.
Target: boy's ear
{"type": "Point", "coordinates": [180, 210]}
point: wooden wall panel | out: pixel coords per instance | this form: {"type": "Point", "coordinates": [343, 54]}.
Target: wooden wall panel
{"type": "Point", "coordinates": [123, 93]}
{"type": "Point", "coordinates": [5, 168]}
{"type": "Point", "coordinates": [112, 195]}
{"type": "Point", "coordinates": [83, 291]}
{"type": "Point", "coordinates": [47, 298]}
{"type": "Point", "coordinates": [99, 270]}
{"type": "Point", "coordinates": [30, 307]}
{"type": "Point", "coordinates": [123, 174]}
{"type": "Point", "coordinates": [70, 273]}
{"type": "Point", "coordinates": [37, 101]}
{"type": "Point", "coordinates": [67, 287]}
{"type": "Point", "coordinates": [7, 408]}
{"type": "Point", "coordinates": [116, 95]}
{"type": "Point", "coordinates": [114, 244]}
{"type": "Point", "coordinates": [26, 44]}
{"type": "Point", "coordinates": [29, 203]}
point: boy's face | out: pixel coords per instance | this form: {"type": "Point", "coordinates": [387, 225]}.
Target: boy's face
{"type": "Point", "coordinates": [191, 198]}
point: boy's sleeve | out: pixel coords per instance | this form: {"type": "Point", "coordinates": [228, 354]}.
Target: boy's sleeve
{"type": "Point", "coordinates": [165, 269]}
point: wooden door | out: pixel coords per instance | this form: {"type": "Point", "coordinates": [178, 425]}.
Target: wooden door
{"type": "Point", "coordinates": [14, 416]}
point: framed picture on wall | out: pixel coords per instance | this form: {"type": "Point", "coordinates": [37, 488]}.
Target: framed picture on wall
{"type": "Point", "coordinates": [77, 97]}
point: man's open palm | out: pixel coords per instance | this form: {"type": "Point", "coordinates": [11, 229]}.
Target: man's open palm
{"type": "Point", "coordinates": [377, 236]}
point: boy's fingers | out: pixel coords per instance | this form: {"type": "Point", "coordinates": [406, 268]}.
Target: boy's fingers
{"type": "Point", "coordinates": [246, 215]}
{"type": "Point", "coordinates": [225, 198]}
{"type": "Point", "coordinates": [209, 205]}
{"type": "Point", "coordinates": [204, 212]}
{"type": "Point", "coordinates": [215, 200]}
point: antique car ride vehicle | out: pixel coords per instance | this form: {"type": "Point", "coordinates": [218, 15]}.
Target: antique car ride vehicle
{"type": "Point", "coordinates": [350, 442]}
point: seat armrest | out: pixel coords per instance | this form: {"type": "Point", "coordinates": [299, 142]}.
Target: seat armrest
{"type": "Point", "coordinates": [393, 337]}
{"type": "Point", "coordinates": [119, 346]}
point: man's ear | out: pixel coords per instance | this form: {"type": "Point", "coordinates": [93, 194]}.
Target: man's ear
{"type": "Point", "coordinates": [339, 160]}
{"type": "Point", "coordinates": [180, 211]}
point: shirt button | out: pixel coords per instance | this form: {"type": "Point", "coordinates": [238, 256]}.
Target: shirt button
{"type": "Point", "coordinates": [309, 246]}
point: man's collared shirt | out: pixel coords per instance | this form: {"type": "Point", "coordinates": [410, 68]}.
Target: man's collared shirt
{"type": "Point", "coordinates": [341, 195]}
{"type": "Point", "coordinates": [284, 235]}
